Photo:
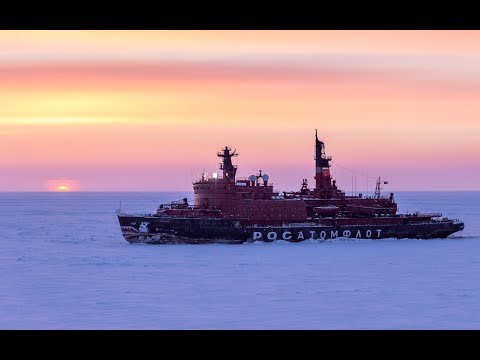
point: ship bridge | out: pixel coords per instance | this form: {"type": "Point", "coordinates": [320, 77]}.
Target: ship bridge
{"type": "Point", "coordinates": [246, 198]}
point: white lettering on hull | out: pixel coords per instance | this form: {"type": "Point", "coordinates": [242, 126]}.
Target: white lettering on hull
{"type": "Point", "coordinates": [322, 235]}
{"type": "Point", "coordinates": [272, 235]}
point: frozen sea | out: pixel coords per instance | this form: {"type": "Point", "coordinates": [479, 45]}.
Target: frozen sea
{"type": "Point", "coordinates": [65, 265]}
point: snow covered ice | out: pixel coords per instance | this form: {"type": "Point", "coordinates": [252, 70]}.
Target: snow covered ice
{"type": "Point", "coordinates": [65, 265]}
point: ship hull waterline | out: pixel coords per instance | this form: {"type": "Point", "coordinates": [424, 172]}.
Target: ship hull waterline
{"type": "Point", "coordinates": [167, 230]}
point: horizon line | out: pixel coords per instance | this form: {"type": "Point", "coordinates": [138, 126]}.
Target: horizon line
{"type": "Point", "coordinates": [163, 191]}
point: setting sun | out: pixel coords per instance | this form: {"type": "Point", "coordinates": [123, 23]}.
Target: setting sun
{"type": "Point", "coordinates": [61, 184]}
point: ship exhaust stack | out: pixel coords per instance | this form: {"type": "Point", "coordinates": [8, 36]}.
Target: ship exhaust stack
{"type": "Point", "coordinates": [323, 180]}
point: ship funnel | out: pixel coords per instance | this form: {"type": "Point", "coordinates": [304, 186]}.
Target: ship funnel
{"type": "Point", "coordinates": [323, 180]}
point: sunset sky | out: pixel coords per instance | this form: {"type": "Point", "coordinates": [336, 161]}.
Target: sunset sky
{"type": "Point", "coordinates": [148, 110]}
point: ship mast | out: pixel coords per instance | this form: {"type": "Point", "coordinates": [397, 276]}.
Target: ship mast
{"type": "Point", "coordinates": [229, 170]}
{"type": "Point", "coordinates": [378, 189]}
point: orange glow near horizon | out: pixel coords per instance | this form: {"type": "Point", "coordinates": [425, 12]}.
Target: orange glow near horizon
{"type": "Point", "coordinates": [147, 110]}
{"type": "Point", "coordinates": [61, 185]}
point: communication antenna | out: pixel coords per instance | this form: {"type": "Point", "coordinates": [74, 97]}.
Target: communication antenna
{"type": "Point", "coordinates": [367, 183]}
{"type": "Point", "coordinates": [265, 178]}
{"type": "Point", "coordinates": [355, 182]}
{"type": "Point", "coordinates": [352, 184]}
{"type": "Point", "coordinates": [377, 189]}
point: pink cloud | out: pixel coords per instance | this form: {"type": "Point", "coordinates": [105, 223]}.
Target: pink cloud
{"type": "Point", "coordinates": [347, 80]}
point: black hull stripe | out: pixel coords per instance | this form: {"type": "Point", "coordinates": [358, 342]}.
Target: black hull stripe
{"type": "Point", "coordinates": [201, 231]}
